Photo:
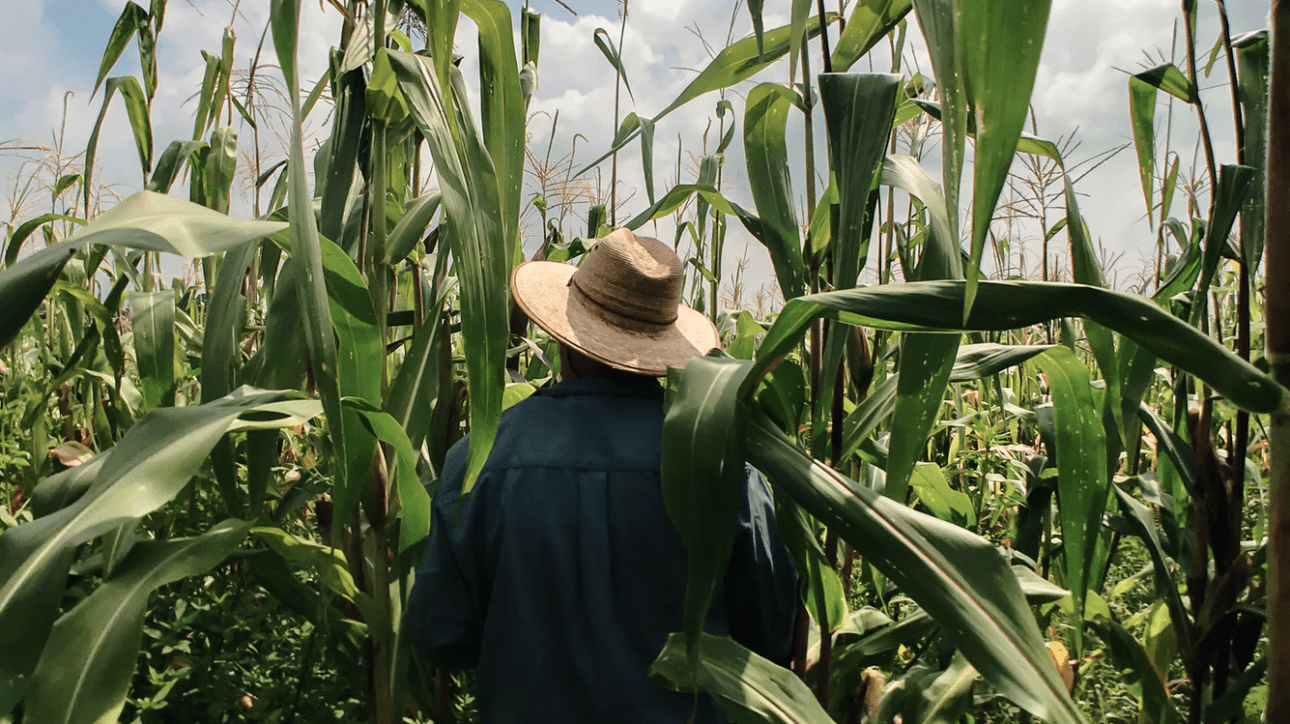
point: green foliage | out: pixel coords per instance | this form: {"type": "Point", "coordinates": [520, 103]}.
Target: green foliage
{"type": "Point", "coordinates": [981, 506]}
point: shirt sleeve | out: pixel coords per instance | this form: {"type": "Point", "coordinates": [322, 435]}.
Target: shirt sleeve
{"type": "Point", "coordinates": [761, 581]}
{"type": "Point", "coordinates": [442, 619]}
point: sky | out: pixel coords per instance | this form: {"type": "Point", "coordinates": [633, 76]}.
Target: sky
{"type": "Point", "coordinates": [1081, 92]}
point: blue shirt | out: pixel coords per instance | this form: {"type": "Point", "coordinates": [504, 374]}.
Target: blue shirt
{"type": "Point", "coordinates": [560, 576]}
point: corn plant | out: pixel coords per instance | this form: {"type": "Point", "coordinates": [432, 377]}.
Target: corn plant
{"type": "Point", "coordinates": [949, 480]}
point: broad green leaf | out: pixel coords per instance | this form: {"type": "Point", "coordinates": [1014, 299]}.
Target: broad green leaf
{"type": "Point", "coordinates": [328, 565]}
{"type": "Point", "coordinates": [222, 356]}
{"type": "Point", "coordinates": [411, 227]}
{"type": "Point", "coordinates": [306, 247]}
{"type": "Point", "coordinates": [1134, 664]}
{"type": "Point", "coordinates": [170, 162]}
{"type": "Point", "coordinates": [501, 108]}
{"type": "Point", "coordinates": [746, 332]}
{"type": "Point", "coordinates": [530, 34]}
{"type": "Point", "coordinates": [755, 10]}
{"type": "Point", "coordinates": [870, 22]}
{"type": "Point", "coordinates": [946, 698]}
{"type": "Point", "coordinates": [413, 498]}
{"type": "Point", "coordinates": [147, 55]}
{"type": "Point", "coordinates": [1176, 449]}
{"type": "Point", "coordinates": [25, 229]}
{"type": "Point", "coordinates": [747, 686]}
{"type": "Point", "coordinates": [220, 168]}
{"type": "Point", "coordinates": [1142, 114]}
{"type": "Point", "coordinates": [1081, 470]}
{"type": "Point", "coordinates": [926, 360]}
{"type": "Point", "coordinates": [473, 204]}
{"type": "Point", "coordinates": [858, 109]}
{"type": "Point", "coordinates": [85, 672]}
{"type": "Point", "coordinates": [607, 49]}
{"type": "Point", "coordinates": [285, 24]}
{"type": "Point", "coordinates": [942, 501]}
{"type": "Point", "coordinates": [145, 470]}
{"type": "Point", "coordinates": [131, 17]}
{"type": "Point", "coordinates": [206, 95]}
{"type": "Point", "coordinates": [1169, 79]}
{"type": "Point", "coordinates": [703, 476]}
{"type": "Point", "coordinates": [924, 306]}
{"type": "Point", "coordinates": [769, 179]}
{"type": "Point", "coordinates": [959, 578]}
{"type": "Point", "coordinates": [152, 317]}
{"type": "Point", "coordinates": [647, 157]}
{"type": "Point", "coordinates": [341, 152]}
{"type": "Point", "coordinates": [975, 361]}
{"type": "Point", "coordinates": [1233, 187]}
{"type": "Point", "coordinates": [1001, 44]}
{"type": "Point", "coordinates": [868, 415]}
{"type": "Point", "coordinates": [904, 172]}
{"type": "Point", "coordinates": [1143, 525]}
{"type": "Point", "coordinates": [1186, 267]}
{"type": "Point", "coordinates": [1086, 270]}
{"type": "Point", "coordinates": [415, 389]}
{"type": "Point", "coordinates": [225, 320]}
{"type": "Point", "coordinates": [939, 23]}
{"type": "Point", "coordinates": [1252, 58]}
{"type": "Point", "coordinates": [136, 109]}
{"type": "Point", "coordinates": [146, 220]}
{"type": "Point", "coordinates": [799, 13]}
{"type": "Point", "coordinates": [734, 64]}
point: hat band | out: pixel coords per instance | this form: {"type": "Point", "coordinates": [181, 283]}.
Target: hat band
{"type": "Point", "coordinates": [615, 316]}
{"type": "Point", "coordinates": [618, 301]}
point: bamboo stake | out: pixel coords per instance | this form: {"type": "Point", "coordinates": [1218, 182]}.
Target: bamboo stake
{"type": "Point", "coordinates": [1277, 298]}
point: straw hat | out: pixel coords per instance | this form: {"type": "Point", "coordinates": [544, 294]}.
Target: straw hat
{"type": "Point", "coordinates": [621, 307]}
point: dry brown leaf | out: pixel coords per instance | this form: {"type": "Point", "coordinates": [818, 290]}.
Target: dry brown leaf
{"type": "Point", "coordinates": [71, 453]}
{"type": "Point", "coordinates": [1062, 660]}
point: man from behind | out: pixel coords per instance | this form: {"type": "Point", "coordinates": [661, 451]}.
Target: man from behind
{"type": "Point", "coordinates": [559, 576]}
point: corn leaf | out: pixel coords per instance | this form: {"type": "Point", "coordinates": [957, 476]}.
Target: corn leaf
{"type": "Point", "coordinates": [152, 316]}
{"type": "Point", "coordinates": [132, 16]}
{"type": "Point", "coordinates": [149, 466]}
{"type": "Point", "coordinates": [703, 476]}
{"type": "Point", "coordinates": [1001, 46]}
{"type": "Point", "coordinates": [85, 671]}
{"type": "Point", "coordinates": [870, 22]}
{"type": "Point", "coordinates": [922, 306]}
{"type": "Point", "coordinates": [858, 110]}
{"type": "Point", "coordinates": [473, 204]}
{"type": "Point", "coordinates": [734, 64]}
{"type": "Point", "coordinates": [747, 686]}
{"type": "Point", "coordinates": [146, 220]}
{"type": "Point", "coordinates": [411, 227]}
{"type": "Point", "coordinates": [1081, 470]}
{"type": "Point", "coordinates": [501, 109]}
{"type": "Point", "coordinates": [769, 179]}
{"type": "Point", "coordinates": [1142, 113]}
{"type": "Point", "coordinates": [1253, 58]}
{"type": "Point", "coordinates": [1135, 664]}
{"type": "Point", "coordinates": [957, 577]}
{"type": "Point", "coordinates": [306, 246]}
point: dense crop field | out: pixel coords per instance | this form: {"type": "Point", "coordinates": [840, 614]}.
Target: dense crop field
{"type": "Point", "coordinates": [1007, 498]}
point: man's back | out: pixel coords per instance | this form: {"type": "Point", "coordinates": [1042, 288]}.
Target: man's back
{"type": "Point", "coordinates": [560, 576]}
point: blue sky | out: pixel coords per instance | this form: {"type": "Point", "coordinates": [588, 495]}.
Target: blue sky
{"type": "Point", "coordinates": [1081, 85]}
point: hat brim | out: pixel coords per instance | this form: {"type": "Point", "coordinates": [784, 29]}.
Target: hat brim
{"type": "Point", "coordinates": [542, 290]}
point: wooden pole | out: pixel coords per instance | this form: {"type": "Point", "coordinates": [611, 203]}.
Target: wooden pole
{"type": "Point", "coordinates": [1277, 298]}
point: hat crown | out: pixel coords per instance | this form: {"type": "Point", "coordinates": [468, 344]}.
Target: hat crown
{"type": "Point", "coordinates": [633, 277]}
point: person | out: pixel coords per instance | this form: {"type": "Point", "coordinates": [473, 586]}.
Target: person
{"type": "Point", "coordinates": [559, 576]}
